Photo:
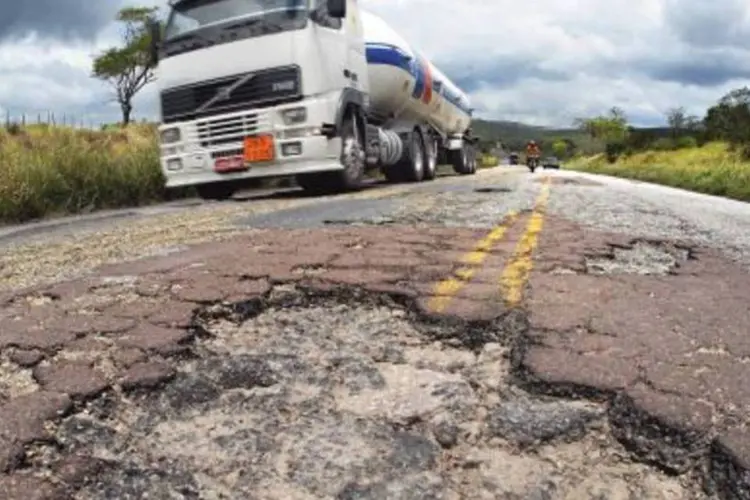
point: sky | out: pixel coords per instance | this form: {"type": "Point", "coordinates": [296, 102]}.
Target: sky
{"type": "Point", "coordinates": [541, 62]}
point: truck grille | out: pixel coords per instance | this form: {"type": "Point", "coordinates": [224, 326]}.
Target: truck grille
{"type": "Point", "coordinates": [220, 131]}
{"type": "Point", "coordinates": [233, 93]}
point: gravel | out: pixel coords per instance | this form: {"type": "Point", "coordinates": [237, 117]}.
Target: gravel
{"type": "Point", "coordinates": [653, 211]}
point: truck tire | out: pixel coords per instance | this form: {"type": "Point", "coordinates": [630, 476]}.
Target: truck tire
{"type": "Point", "coordinates": [217, 191]}
{"type": "Point", "coordinates": [461, 159]}
{"type": "Point", "coordinates": [352, 156]}
{"type": "Point", "coordinates": [413, 162]}
{"type": "Point", "coordinates": [472, 160]}
{"type": "Point", "coordinates": [411, 166]}
{"type": "Point", "coordinates": [353, 159]}
{"type": "Point", "coordinates": [431, 150]}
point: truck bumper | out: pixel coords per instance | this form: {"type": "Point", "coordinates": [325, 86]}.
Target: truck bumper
{"type": "Point", "coordinates": [190, 149]}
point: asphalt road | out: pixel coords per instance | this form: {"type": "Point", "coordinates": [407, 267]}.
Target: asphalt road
{"type": "Point", "coordinates": [505, 335]}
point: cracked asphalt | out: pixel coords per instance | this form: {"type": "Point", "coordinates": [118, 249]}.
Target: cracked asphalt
{"type": "Point", "coordinates": [501, 336]}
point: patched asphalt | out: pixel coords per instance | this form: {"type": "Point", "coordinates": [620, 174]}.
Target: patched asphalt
{"type": "Point", "coordinates": [305, 357]}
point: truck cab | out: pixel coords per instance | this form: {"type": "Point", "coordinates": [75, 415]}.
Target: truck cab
{"type": "Point", "coordinates": [258, 88]}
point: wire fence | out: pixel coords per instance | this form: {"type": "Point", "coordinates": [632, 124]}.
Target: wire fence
{"type": "Point", "coordinates": [51, 118]}
{"type": "Point", "coordinates": [57, 119]}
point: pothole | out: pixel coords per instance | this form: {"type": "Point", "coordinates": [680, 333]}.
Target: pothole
{"type": "Point", "coordinates": [644, 258]}
{"type": "Point", "coordinates": [14, 380]}
{"type": "Point", "coordinates": [571, 181]}
{"type": "Point", "coordinates": [314, 397]}
{"type": "Point", "coordinates": [493, 189]}
{"type": "Point", "coordinates": [374, 221]}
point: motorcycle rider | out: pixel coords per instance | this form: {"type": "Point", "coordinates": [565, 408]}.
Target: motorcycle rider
{"type": "Point", "coordinates": [532, 150]}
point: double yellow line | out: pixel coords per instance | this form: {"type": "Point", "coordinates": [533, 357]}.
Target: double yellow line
{"type": "Point", "coordinates": [516, 272]}
{"type": "Point", "coordinates": [447, 289]}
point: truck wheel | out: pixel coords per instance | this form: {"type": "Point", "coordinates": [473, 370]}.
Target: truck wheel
{"type": "Point", "coordinates": [352, 157]}
{"type": "Point", "coordinates": [430, 171]}
{"type": "Point", "coordinates": [217, 192]}
{"type": "Point", "coordinates": [472, 160]}
{"type": "Point", "coordinates": [460, 160]}
{"type": "Point", "coordinates": [413, 163]}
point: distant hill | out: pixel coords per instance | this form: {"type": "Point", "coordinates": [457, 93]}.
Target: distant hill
{"type": "Point", "coordinates": [514, 135]}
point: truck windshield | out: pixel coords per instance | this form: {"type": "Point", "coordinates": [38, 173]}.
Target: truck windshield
{"type": "Point", "coordinates": [190, 15]}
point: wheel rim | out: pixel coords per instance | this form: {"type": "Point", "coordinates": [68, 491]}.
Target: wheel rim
{"type": "Point", "coordinates": [352, 155]}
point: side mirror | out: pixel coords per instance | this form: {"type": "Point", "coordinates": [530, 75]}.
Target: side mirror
{"type": "Point", "coordinates": [337, 9]}
{"type": "Point", "coordinates": [154, 30]}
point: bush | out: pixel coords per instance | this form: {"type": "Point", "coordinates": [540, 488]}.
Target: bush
{"type": "Point", "coordinates": [713, 169]}
{"type": "Point", "coordinates": [663, 144]}
{"type": "Point", "coordinates": [614, 150]}
{"type": "Point", "coordinates": [488, 161]}
{"type": "Point", "coordinates": [686, 142]}
{"type": "Point", "coordinates": [47, 170]}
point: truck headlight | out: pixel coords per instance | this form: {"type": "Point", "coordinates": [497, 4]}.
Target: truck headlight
{"type": "Point", "coordinates": [174, 164]}
{"type": "Point", "coordinates": [294, 116]}
{"type": "Point", "coordinates": [170, 135]}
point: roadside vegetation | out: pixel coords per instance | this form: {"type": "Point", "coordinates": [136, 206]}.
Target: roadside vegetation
{"type": "Point", "coordinates": [709, 155]}
{"type": "Point", "coordinates": [711, 169]}
{"type": "Point", "coordinates": [47, 170]}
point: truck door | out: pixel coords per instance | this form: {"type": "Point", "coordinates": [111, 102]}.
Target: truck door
{"type": "Point", "coordinates": [331, 40]}
{"type": "Point", "coordinates": [356, 51]}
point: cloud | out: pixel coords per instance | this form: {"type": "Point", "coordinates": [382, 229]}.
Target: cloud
{"type": "Point", "coordinates": [65, 19]}
{"type": "Point", "coordinates": [543, 62]}
{"type": "Point", "coordinates": [724, 23]}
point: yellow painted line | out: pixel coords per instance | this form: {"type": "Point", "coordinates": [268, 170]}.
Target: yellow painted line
{"type": "Point", "coordinates": [444, 291]}
{"type": "Point", "coordinates": [516, 273]}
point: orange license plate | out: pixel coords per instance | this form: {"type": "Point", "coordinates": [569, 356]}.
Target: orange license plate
{"type": "Point", "coordinates": [259, 148]}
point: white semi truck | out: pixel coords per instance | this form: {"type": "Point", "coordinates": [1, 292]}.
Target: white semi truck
{"type": "Point", "coordinates": [316, 89]}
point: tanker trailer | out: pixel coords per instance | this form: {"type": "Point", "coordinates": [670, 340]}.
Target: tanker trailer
{"type": "Point", "coordinates": [415, 114]}
{"type": "Point", "coordinates": [315, 89]}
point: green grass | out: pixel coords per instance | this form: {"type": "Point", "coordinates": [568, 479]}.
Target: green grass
{"type": "Point", "coordinates": [48, 171]}
{"type": "Point", "coordinates": [711, 169]}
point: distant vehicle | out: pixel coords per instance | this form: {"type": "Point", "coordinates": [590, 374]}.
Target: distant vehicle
{"type": "Point", "coordinates": [513, 158]}
{"type": "Point", "coordinates": [551, 162]}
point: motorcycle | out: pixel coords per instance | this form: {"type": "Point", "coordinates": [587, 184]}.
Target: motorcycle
{"type": "Point", "coordinates": [532, 162]}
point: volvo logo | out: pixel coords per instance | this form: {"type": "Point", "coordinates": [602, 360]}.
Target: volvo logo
{"type": "Point", "coordinates": [285, 85]}
{"type": "Point", "coordinates": [225, 92]}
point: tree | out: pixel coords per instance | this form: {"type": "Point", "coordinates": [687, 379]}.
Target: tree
{"type": "Point", "coordinates": [612, 127]}
{"type": "Point", "coordinates": [560, 148]}
{"type": "Point", "coordinates": [729, 119]}
{"type": "Point", "coordinates": [677, 120]}
{"type": "Point", "coordinates": [128, 68]}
